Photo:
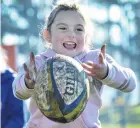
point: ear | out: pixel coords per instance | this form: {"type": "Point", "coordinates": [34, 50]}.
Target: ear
{"type": "Point", "coordinates": [47, 35]}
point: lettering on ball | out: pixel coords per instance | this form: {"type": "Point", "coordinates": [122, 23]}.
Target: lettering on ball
{"type": "Point", "coordinates": [70, 80]}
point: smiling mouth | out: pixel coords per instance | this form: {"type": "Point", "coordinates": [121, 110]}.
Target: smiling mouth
{"type": "Point", "coordinates": [69, 45]}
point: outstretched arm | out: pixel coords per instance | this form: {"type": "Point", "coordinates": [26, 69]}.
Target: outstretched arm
{"type": "Point", "coordinates": [111, 73]}
{"type": "Point", "coordinates": [100, 70]}
{"type": "Point", "coordinates": [23, 85]}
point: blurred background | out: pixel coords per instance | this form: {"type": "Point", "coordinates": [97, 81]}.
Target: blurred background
{"type": "Point", "coordinates": [116, 21]}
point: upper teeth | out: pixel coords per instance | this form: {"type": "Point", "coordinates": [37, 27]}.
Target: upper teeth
{"type": "Point", "coordinates": [70, 43]}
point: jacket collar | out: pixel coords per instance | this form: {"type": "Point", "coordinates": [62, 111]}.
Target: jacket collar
{"type": "Point", "coordinates": [50, 53]}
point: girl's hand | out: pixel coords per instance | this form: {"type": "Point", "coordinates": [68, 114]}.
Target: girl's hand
{"type": "Point", "coordinates": [98, 71]}
{"type": "Point", "coordinates": [30, 72]}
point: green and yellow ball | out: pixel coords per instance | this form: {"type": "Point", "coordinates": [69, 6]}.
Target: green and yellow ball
{"type": "Point", "coordinates": [62, 89]}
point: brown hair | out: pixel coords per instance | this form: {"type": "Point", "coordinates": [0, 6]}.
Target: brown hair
{"type": "Point", "coordinates": [57, 9]}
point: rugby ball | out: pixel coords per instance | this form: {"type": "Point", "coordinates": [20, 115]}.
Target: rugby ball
{"type": "Point", "coordinates": [61, 89]}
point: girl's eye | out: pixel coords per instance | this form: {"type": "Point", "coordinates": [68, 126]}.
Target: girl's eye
{"type": "Point", "coordinates": [79, 29]}
{"type": "Point", "coordinates": [62, 28]}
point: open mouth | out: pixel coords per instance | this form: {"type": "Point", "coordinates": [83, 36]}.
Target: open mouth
{"type": "Point", "coordinates": [69, 45]}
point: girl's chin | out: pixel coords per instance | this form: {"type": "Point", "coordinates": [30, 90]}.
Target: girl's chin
{"type": "Point", "coordinates": [71, 53]}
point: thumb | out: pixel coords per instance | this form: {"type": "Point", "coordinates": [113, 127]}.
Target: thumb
{"type": "Point", "coordinates": [101, 58]}
{"type": "Point", "coordinates": [103, 50]}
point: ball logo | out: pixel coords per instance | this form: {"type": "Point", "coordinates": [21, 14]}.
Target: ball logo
{"type": "Point", "coordinates": [68, 82]}
{"type": "Point", "coordinates": [69, 86]}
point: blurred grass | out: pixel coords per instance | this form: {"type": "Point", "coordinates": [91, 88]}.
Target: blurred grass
{"type": "Point", "coordinates": [112, 115]}
{"type": "Point", "coordinates": [135, 110]}
{"type": "Point", "coordinates": [118, 126]}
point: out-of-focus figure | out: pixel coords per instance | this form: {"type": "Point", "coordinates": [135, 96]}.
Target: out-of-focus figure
{"type": "Point", "coordinates": [12, 115]}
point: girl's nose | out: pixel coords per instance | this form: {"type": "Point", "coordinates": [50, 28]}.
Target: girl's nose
{"type": "Point", "coordinates": [71, 34]}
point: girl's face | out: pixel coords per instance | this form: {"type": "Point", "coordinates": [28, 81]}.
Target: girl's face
{"type": "Point", "coordinates": [68, 33]}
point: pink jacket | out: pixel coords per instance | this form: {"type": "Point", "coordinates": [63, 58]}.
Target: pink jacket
{"type": "Point", "coordinates": [118, 77]}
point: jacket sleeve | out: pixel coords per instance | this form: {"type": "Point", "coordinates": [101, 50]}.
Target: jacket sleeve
{"type": "Point", "coordinates": [14, 111]}
{"type": "Point", "coordinates": [19, 88]}
{"type": "Point", "coordinates": [119, 77]}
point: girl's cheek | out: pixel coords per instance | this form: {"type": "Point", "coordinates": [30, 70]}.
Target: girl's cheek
{"type": "Point", "coordinates": [60, 37]}
{"type": "Point", "coordinates": [81, 40]}
{"type": "Point", "coordinates": [57, 39]}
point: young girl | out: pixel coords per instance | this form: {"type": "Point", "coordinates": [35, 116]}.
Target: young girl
{"type": "Point", "coordinates": [66, 31]}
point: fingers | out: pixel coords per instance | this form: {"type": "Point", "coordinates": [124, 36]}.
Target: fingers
{"type": "Point", "coordinates": [28, 80]}
{"type": "Point", "coordinates": [103, 50]}
{"type": "Point", "coordinates": [101, 58]}
{"type": "Point", "coordinates": [90, 65]}
{"type": "Point", "coordinates": [25, 67]}
{"type": "Point", "coordinates": [30, 72]}
{"type": "Point", "coordinates": [90, 68]}
{"type": "Point", "coordinates": [32, 62]}
{"type": "Point", "coordinates": [90, 73]}
{"type": "Point", "coordinates": [102, 54]}
{"type": "Point", "coordinates": [32, 59]}
{"type": "Point", "coordinates": [27, 75]}
{"type": "Point", "coordinates": [87, 67]}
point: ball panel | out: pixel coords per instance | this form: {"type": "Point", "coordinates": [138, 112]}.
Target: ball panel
{"type": "Point", "coordinates": [73, 115]}
{"type": "Point", "coordinates": [69, 60]}
{"type": "Point", "coordinates": [44, 95]}
{"type": "Point", "coordinates": [70, 80]}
